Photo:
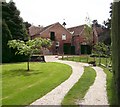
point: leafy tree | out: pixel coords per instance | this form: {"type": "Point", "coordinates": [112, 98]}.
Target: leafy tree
{"type": "Point", "coordinates": [107, 23]}
{"type": "Point", "coordinates": [97, 51]}
{"type": "Point", "coordinates": [96, 24]}
{"type": "Point", "coordinates": [15, 23]}
{"type": "Point", "coordinates": [106, 52]}
{"type": "Point", "coordinates": [100, 49]}
{"type": "Point", "coordinates": [102, 31]}
{"type": "Point", "coordinates": [27, 25]}
{"type": "Point", "coordinates": [7, 36]}
{"type": "Point", "coordinates": [30, 47]}
{"type": "Point", "coordinates": [12, 28]}
{"type": "Point", "coordinates": [88, 34]}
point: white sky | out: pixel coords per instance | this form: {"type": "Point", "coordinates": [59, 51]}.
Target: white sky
{"type": "Point", "coordinates": [46, 12]}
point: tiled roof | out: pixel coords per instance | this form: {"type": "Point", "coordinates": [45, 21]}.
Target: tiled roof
{"type": "Point", "coordinates": [47, 27]}
{"type": "Point", "coordinates": [33, 30]}
{"type": "Point", "coordinates": [77, 30]}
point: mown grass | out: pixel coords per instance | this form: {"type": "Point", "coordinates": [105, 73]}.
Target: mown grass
{"type": "Point", "coordinates": [79, 90]}
{"type": "Point", "coordinates": [86, 59]}
{"type": "Point", "coordinates": [21, 87]}
{"type": "Point", "coordinates": [111, 92]}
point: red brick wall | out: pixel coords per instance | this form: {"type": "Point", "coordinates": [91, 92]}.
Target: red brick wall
{"type": "Point", "coordinates": [77, 42]}
{"type": "Point", "coordinates": [59, 30]}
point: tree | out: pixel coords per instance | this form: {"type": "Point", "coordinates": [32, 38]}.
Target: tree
{"type": "Point", "coordinates": [107, 23]}
{"type": "Point", "coordinates": [27, 25]}
{"type": "Point", "coordinates": [88, 34]}
{"type": "Point", "coordinates": [30, 47]}
{"type": "Point", "coordinates": [116, 45]}
{"type": "Point", "coordinates": [11, 15]}
{"type": "Point", "coordinates": [100, 49]}
{"type": "Point", "coordinates": [12, 28]}
{"type": "Point", "coordinates": [96, 24]}
{"type": "Point", "coordinates": [6, 52]}
{"type": "Point", "coordinates": [107, 53]}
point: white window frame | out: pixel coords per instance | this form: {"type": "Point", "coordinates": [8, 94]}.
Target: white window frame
{"type": "Point", "coordinates": [64, 36]}
{"type": "Point", "coordinates": [57, 44]}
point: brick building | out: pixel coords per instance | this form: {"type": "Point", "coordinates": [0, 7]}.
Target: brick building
{"type": "Point", "coordinates": [82, 43]}
{"type": "Point", "coordinates": [67, 41]}
{"type": "Point", "coordinates": [60, 36]}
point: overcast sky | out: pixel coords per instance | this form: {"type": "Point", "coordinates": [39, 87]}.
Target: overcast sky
{"type": "Point", "coordinates": [74, 12]}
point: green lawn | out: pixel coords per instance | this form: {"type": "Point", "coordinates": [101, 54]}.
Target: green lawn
{"type": "Point", "coordinates": [21, 87]}
{"type": "Point", "coordinates": [111, 92]}
{"type": "Point", "coordinates": [79, 90]}
{"type": "Point", "coordinates": [85, 59]}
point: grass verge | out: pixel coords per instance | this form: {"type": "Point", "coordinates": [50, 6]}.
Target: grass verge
{"type": "Point", "coordinates": [79, 90]}
{"type": "Point", "coordinates": [21, 87]}
{"type": "Point", "coordinates": [111, 92]}
{"type": "Point", "coordinates": [86, 59]}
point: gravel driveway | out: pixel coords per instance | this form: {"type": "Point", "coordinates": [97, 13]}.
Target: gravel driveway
{"type": "Point", "coordinates": [56, 96]}
{"type": "Point", "coordinates": [96, 95]}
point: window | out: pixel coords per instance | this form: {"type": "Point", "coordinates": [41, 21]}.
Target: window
{"type": "Point", "coordinates": [52, 36]}
{"type": "Point", "coordinates": [57, 44]}
{"type": "Point", "coordinates": [63, 36]}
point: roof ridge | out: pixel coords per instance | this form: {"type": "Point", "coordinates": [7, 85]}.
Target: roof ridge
{"type": "Point", "coordinates": [47, 27]}
{"type": "Point", "coordinates": [77, 26]}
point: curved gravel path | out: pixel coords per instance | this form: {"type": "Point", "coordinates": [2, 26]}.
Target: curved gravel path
{"type": "Point", "coordinates": [56, 96]}
{"type": "Point", "coordinates": [97, 94]}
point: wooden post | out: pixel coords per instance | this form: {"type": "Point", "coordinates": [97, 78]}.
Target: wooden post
{"type": "Point", "coordinates": [116, 45]}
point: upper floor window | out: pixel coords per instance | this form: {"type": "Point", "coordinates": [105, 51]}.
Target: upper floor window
{"type": "Point", "coordinates": [63, 36]}
{"type": "Point", "coordinates": [52, 36]}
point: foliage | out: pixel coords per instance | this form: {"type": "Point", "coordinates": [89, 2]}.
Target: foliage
{"type": "Point", "coordinates": [7, 36]}
{"type": "Point", "coordinates": [88, 35]}
{"type": "Point", "coordinates": [88, 32]}
{"type": "Point", "coordinates": [27, 25]}
{"type": "Point", "coordinates": [79, 90]}
{"type": "Point", "coordinates": [101, 50]}
{"type": "Point", "coordinates": [116, 45]}
{"type": "Point", "coordinates": [107, 23]}
{"type": "Point", "coordinates": [11, 15]}
{"type": "Point", "coordinates": [96, 24]}
{"type": "Point", "coordinates": [102, 31]}
{"type": "Point", "coordinates": [22, 88]}
{"type": "Point", "coordinates": [30, 47]}
{"type": "Point", "coordinates": [12, 28]}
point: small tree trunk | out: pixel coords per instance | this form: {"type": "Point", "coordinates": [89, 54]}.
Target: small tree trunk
{"type": "Point", "coordinates": [106, 61]}
{"type": "Point", "coordinates": [73, 58]}
{"type": "Point", "coordinates": [79, 58]}
{"type": "Point", "coordinates": [67, 57]}
{"type": "Point", "coordinates": [28, 64]}
{"type": "Point", "coordinates": [62, 56]}
{"type": "Point", "coordinates": [87, 58]}
{"type": "Point", "coordinates": [99, 60]}
{"type": "Point", "coordinates": [94, 59]}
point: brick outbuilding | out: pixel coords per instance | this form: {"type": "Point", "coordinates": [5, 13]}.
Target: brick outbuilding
{"type": "Point", "coordinates": [66, 41]}
{"type": "Point", "coordinates": [60, 36]}
{"type": "Point", "coordinates": [82, 43]}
